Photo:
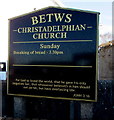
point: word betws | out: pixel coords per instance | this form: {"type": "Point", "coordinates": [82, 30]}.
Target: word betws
{"type": "Point", "coordinates": [52, 17]}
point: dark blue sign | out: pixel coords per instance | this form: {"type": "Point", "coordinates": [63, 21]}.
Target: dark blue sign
{"type": "Point", "coordinates": [53, 54]}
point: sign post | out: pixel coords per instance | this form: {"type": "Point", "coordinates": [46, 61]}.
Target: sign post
{"type": "Point", "coordinates": [53, 54]}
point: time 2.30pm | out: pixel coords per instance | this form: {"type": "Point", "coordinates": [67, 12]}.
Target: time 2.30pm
{"type": "Point", "coordinates": [55, 52]}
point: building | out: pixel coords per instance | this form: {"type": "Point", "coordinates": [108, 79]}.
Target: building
{"type": "Point", "coordinates": [106, 62]}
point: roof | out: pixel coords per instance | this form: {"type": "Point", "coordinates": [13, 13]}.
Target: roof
{"type": "Point", "coordinates": [110, 43]}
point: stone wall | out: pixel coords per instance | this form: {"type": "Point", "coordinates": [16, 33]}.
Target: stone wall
{"type": "Point", "coordinates": [106, 63]}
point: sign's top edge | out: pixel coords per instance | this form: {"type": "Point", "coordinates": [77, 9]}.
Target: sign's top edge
{"type": "Point", "coordinates": [49, 7]}
{"type": "Point", "coordinates": [81, 10]}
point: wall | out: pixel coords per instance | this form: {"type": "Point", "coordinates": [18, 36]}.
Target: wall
{"type": "Point", "coordinates": [106, 64]}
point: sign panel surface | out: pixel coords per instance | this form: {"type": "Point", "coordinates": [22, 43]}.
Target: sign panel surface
{"type": "Point", "coordinates": [52, 54]}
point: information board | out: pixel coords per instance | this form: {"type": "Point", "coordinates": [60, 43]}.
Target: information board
{"type": "Point", "coordinates": [53, 54]}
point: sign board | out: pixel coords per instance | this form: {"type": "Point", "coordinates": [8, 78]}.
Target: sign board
{"type": "Point", "coordinates": [53, 54]}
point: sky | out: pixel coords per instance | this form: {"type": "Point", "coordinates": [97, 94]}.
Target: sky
{"type": "Point", "coordinates": [17, 7]}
